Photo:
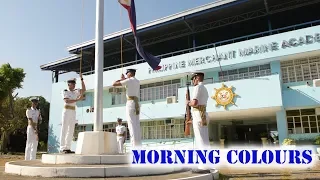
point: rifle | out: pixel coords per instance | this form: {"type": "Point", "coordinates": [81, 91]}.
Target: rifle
{"type": "Point", "coordinates": [187, 117]}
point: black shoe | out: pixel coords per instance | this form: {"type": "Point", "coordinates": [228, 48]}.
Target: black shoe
{"type": "Point", "coordinates": [200, 171]}
{"type": "Point", "coordinates": [69, 151]}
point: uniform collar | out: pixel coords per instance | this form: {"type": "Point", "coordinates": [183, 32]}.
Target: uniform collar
{"type": "Point", "coordinates": [200, 83]}
{"type": "Point", "coordinates": [33, 108]}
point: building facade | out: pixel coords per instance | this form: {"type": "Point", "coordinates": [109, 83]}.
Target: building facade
{"type": "Point", "coordinates": [261, 74]}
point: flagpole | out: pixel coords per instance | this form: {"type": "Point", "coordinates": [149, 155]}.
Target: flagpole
{"type": "Point", "coordinates": [99, 58]}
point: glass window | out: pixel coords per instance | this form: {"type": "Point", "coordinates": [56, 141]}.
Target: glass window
{"type": "Point", "coordinates": [302, 121]}
{"type": "Point", "coordinates": [254, 68]}
{"type": "Point", "coordinates": [308, 112]}
{"type": "Point", "coordinates": [245, 73]}
{"type": "Point", "coordinates": [300, 69]}
{"type": "Point", "coordinates": [293, 113]}
{"type": "Point", "coordinates": [161, 130]}
{"type": "Point", "coordinates": [149, 92]}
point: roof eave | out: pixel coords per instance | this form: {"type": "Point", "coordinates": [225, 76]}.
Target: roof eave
{"type": "Point", "coordinates": [63, 60]}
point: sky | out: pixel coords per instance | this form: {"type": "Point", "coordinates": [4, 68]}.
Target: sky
{"type": "Point", "coordinates": [37, 32]}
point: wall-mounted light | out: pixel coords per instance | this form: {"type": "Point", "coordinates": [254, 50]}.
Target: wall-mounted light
{"type": "Point", "coordinates": [308, 83]}
{"type": "Point", "coordinates": [288, 87]}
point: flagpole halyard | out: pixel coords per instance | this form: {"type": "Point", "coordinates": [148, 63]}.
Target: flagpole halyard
{"type": "Point", "coordinates": [81, 54]}
{"type": "Point", "coordinates": [121, 36]}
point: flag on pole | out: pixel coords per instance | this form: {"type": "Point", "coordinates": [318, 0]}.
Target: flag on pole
{"type": "Point", "coordinates": [151, 60]}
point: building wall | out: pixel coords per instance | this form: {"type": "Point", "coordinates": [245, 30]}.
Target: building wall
{"type": "Point", "coordinates": [262, 92]}
{"type": "Point", "coordinates": [205, 59]}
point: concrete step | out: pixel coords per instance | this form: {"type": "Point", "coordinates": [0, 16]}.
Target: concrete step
{"type": "Point", "coordinates": [84, 159]}
{"type": "Point", "coordinates": [37, 168]}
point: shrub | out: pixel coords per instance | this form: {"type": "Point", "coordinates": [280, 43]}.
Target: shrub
{"type": "Point", "coordinates": [317, 140]}
{"type": "Point", "coordinates": [288, 142]}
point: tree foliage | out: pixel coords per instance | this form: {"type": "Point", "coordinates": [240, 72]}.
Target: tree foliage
{"type": "Point", "coordinates": [11, 79]}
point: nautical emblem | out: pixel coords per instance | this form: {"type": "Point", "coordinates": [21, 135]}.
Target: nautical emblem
{"type": "Point", "coordinates": [224, 96]}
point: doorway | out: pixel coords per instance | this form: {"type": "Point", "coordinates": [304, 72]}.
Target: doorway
{"type": "Point", "coordinates": [249, 134]}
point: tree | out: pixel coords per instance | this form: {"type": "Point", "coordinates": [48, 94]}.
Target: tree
{"type": "Point", "coordinates": [11, 79]}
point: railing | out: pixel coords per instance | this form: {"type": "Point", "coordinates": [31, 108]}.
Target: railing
{"type": "Point", "coordinates": [224, 42]}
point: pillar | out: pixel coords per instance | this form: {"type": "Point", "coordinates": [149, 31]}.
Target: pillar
{"type": "Point", "coordinates": [282, 125]}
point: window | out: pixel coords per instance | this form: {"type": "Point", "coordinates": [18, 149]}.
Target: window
{"type": "Point", "coordinates": [163, 129]}
{"type": "Point", "coordinates": [159, 90]}
{"type": "Point", "coordinates": [149, 92]}
{"type": "Point", "coordinates": [300, 69]}
{"type": "Point", "coordinates": [303, 121]}
{"type": "Point", "coordinates": [245, 73]}
{"type": "Point", "coordinates": [119, 97]}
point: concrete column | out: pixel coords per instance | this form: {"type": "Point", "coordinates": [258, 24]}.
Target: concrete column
{"type": "Point", "coordinates": [282, 125]}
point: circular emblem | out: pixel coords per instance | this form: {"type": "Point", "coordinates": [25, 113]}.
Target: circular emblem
{"type": "Point", "coordinates": [224, 96]}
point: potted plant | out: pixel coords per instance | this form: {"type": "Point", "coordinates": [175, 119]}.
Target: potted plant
{"type": "Point", "coordinates": [317, 143]}
{"type": "Point", "coordinates": [222, 138]}
{"type": "Point", "coordinates": [288, 142]}
{"type": "Point", "coordinates": [264, 138]}
{"type": "Point", "coordinates": [275, 138]}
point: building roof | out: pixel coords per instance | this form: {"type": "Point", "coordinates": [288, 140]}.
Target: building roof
{"type": "Point", "coordinates": [156, 22]}
{"type": "Point", "coordinates": [156, 36]}
{"type": "Point", "coordinates": [75, 49]}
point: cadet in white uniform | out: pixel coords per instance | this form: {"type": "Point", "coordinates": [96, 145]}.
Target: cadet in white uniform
{"type": "Point", "coordinates": [33, 115]}
{"type": "Point", "coordinates": [200, 118]}
{"type": "Point", "coordinates": [132, 86]}
{"type": "Point", "coordinates": [121, 135]}
{"type": "Point", "coordinates": [70, 97]}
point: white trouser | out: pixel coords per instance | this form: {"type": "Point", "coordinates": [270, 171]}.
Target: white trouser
{"type": "Point", "coordinates": [133, 124]}
{"type": "Point", "coordinates": [120, 140]}
{"type": "Point", "coordinates": [31, 145]}
{"type": "Point", "coordinates": [67, 128]}
{"type": "Point", "coordinates": [201, 134]}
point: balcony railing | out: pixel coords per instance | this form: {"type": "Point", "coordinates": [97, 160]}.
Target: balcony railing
{"type": "Point", "coordinates": [220, 43]}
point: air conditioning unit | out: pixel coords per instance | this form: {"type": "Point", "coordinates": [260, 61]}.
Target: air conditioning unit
{"type": "Point", "coordinates": [317, 111]}
{"type": "Point", "coordinates": [316, 83]}
{"type": "Point", "coordinates": [171, 99]}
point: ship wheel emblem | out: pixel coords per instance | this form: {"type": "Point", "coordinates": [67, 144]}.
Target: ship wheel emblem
{"type": "Point", "coordinates": [224, 96]}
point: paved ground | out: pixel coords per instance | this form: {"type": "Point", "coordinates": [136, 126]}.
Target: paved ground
{"type": "Point", "coordinates": [226, 174]}
{"type": "Point", "coordinates": [4, 176]}
{"type": "Point", "coordinates": [311, 174]}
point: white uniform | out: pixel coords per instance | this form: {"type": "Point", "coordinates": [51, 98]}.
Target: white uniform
{"type": "Point", "coordinates": [68, 119]}
{"type": "Point", "coordinates": [120, 130]}
{"type": "Point", "coordinates": [32, 141]}
{"type": "Point", "coordinates": [133, 89]}
{"type": "Point", "coordinates": [200, 132]}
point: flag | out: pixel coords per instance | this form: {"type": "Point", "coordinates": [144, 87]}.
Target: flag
{"type": "Point", "coordinates": [151, 60]}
